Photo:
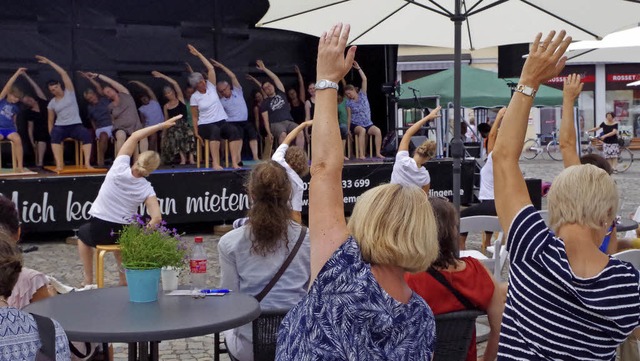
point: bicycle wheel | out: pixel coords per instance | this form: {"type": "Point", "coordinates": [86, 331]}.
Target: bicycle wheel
{"type": "Point", "coordinates": [531, 149]}
{"type": "Point", "coordinates": [553, 149]}
{"type": "Point", "coordinates": [625, 158]}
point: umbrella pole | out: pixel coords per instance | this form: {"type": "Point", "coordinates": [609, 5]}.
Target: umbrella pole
{"type": "Point", "coordinates": [456, 143]}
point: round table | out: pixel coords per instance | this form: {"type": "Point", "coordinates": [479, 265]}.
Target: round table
{"type": "Point", "coordinates": [625, 224]}
{"type": "Point", "coordinates": [106, 315]}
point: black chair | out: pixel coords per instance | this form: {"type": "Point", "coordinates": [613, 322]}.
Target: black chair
{"type": "Point", "coordinates": [265, 334]}
{"type": "Point", "coordinates": [454, 331]}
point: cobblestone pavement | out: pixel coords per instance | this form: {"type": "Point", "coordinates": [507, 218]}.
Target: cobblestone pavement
{"type": "Point", "coordinates": [59, 259]}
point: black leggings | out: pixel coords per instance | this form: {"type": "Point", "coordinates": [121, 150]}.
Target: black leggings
{"type": "Point", "coordinates": [486, 207]}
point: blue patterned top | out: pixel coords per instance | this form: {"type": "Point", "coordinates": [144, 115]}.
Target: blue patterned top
{"type": "Point", "coordinates": [19, 339]}
{"type": "Point", "coordinates": [347, 316]}
{"type": "Point", "coordinates": [360, 110]}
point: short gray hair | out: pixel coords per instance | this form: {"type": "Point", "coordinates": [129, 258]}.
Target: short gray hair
{"type": "Point", "coordinates": [195, 78]}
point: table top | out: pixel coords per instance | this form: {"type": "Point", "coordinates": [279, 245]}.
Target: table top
{"type": "Point", "coordinates": [107, 315]}
{"type": "Point", "coordinates": [625, 224]}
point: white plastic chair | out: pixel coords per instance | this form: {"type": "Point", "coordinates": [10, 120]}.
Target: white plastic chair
{"type": "Point", "coordinates": [631, 255]}
{"type": "Point", "coordinates": [486, 224]}
{"type": "Point", "coordinates": [545, 216]}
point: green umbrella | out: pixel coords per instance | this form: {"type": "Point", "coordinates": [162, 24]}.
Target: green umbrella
{"type": "Point", "coordinates": [480, 88]}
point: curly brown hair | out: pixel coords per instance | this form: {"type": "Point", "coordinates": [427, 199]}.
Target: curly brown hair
{"type": "Point", "coordinates": [270, 213]}
{"type": "Point", "coordinates": [427, 149]}
{"type": "Point", "coordinates": [10, 265]}
{"type": "Point", "coordinates": [297, 159]}
{"type": "Point", "coordinates": [9, 219]}
{"type": "Point", "coordinates": [447, 220]}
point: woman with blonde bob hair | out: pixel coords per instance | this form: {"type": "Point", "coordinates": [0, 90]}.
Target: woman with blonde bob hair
{"type": "Point", "coordinates": [359, 306]}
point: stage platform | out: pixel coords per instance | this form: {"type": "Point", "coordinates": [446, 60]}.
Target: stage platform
{"type": "Point", "coordinates": [48, 201]}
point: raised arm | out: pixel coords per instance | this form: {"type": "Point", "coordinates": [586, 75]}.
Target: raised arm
{"type": "Point", "coordinates": [251, 78]}
{"type": "Point", "coordinates": [327, 226]}
{"type": "Point", "coordinates": [232, 76]}
{"type": "Point", "coordinates": [493, 133]}
{"type": "Point", "coordinates": [173, 82]}
{"type": "Point", "coordinates": [9, 84]}
{"type": "Point", "coordinates": [114, 84]}
{"type": "Point", "coordinates": [132, 142]}
{"type": "Point", "coordinates": [571, 91]}
{"type": "Point", "coordinates": [406, 138]}
{"type": "Point", "coordinates": [211, 73]}
{"type": "Point", "coordinates": [146, 89]}
{"type": "Point", "coordinates": [36, 88]}
{"type": "Point", "coordinates": [357, 67]}
{"type": "Point", "coordinates": [270, 74]}
{"type": "Point", "coordinates": [188, 67]}
{"type": "Point", "coordinates": [294, 133]}
{"type": "Point", "coordinates": [66, 80]}
{"type": "Point", "coordinates": [545, 61]}
{"type": "Point", "coordinates": [302, 90]}
{"type": "Point", "coordinates": [91, 77]}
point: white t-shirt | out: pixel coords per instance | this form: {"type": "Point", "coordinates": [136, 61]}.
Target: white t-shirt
{"type": "Point", "coordinates": [406, 171]}
{"type": "Point", "coordinates": [235, 106]}
{"type": "Point", "coordinates": [66, 109]}
{"type": "Point", "coordinates": [297, 185]}
{"type": "Point", "coordinates": [121, 193]}
{"type": "Point", "coordinates": [210, 109]}
{"type": "Point", "coordinates": [486, 180]}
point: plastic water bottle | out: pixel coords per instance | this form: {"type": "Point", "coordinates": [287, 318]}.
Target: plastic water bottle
{"type": "Point", "coordinates": [198, 266]}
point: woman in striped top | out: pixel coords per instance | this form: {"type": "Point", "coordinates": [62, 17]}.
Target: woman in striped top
{"type": "Point", "coordinates": [566, 299]}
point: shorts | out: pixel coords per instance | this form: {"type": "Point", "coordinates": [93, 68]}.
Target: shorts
{"type": "Point", "coordinates": [284, 126]}
{"type": "Point", "coordinates": [7, 131]}
{"type": "Point", "coordinates": [246, 129]}
{"type": "Point", "coordinates": [218, 131]}
{"type": "Point", "coordinates": [366, 129]}
{"type": "Point", "coordinates": [106, 129]}
{"type": "Point", "coordinates": [343, 131]}
{"type": "Point", "coordinates": [610, 151]}
{"type": "Point", "coordinates": [74, 131]}
{"type": "Point", "coordinates": [99, 232]}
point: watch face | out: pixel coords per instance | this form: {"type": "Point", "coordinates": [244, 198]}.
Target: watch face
{"type": "Point", "coordinates": [321, 84]}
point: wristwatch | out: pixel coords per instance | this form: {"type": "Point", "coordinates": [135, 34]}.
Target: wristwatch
{"type": "Point", "coordinates": [526, 90]}
{"type": "Point", "coordinates": [326, 84]}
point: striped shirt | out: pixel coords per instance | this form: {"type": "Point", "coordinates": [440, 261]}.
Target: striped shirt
{"type": "Point", "coordinates": [551, 314]}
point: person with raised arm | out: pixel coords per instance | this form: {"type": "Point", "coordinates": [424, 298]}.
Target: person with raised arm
{"type": "Point", "coordinates": [297, 99]}
{"type": "Point", "coordinates": [232, 99]}
{"type": "Point", "coordinates": [99, 114]}
{"type": "Point", "coordinates": [177, 140]}
{"type": "Point", "coordinates": [209, 116]}
{"type": "Point", "coordinates": [359, 113]}
{"type": "Point", "coordinates": [123, 112]}
{"type": "Point", "coordinates": [359, 306]}
{"type": "Point", "coordinates": [9, 97]}
{"type": "Point", "coordinates": [150, 111]}
{"type": "Point", "coordinates": [411, 171]}
{"type": "Point", "coordinates": [566, 299]}
{"type": "Point", "coordinates": [120, 195]}
{"type": "Point", "coordinates": [64, 117]}
{"type": "Point", "coordinates": [275, 109]}
{"type": "Point", "coordinates": [36, 115]}
{"type": "Point", "coordinates": [295, 161]}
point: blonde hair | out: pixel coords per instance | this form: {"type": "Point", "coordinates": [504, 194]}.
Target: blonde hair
{"type": "Point", "coordinates": [16, 92]}
{"type": "Point", "coordinates": [427, 149]}
{"type": "Point", "coordinates": [147, 162]}
{"type": "Point", "coordinates": [584, 195]}
{"type": "Point", "coordinates": [395, 225]}
{"type": "Point", "coordinates": [297, 159]}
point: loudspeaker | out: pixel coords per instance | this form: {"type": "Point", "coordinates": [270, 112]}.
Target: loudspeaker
{"type": "Point", "coordinates": [510, 60]}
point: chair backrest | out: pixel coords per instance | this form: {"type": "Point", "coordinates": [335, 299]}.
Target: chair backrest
{"type": "Point", "coordinates": [631, 255]}
{"type": "Point", "coordinates": [545, 216]}
{"type": "Point", "coordinates": [479, 224]}
{"type": "Point", "coordinates": [454, 332]}
{"type": "Point", "coordinates": [265, 334]}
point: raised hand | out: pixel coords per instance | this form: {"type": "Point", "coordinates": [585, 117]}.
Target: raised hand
{"type": "Point", "coordinates": [260, 65]}
{"type": "Point", "coordinates": [356, 66]}
{"type": "Point", "coordinates": [188, 66]}
{"type": "Point", "coordinates": [434, 113]}
{"type": "Point", "coordinates": [171, 122]}
{"type": "Point", "coordinates": [572, 87]}
{"type": "Point", "coordinates": [215, 63]}
{"type": "Point", "coordinates": [545, 59]}
{"type": "Point", "coordinates": [333, 65]}
{"type": "Point", "coordinates": [193, 50]}
{"type": "Point", "coordinates": [43, 60]}
{"type": "Point", "coordinates": [21, 71]}
{"type": "Point", "coordinates": [157, 74]}
{"type": "Point", "coordinates": [296, 69]}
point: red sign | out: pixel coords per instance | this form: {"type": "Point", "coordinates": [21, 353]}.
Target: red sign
{"type": "Point", "coordinates": [623, 77]}
{"type": "Point", "coordinates": [584, 79]}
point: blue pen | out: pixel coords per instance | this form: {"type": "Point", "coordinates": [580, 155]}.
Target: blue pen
{"type": "Point", "coordinates": [219, 291]}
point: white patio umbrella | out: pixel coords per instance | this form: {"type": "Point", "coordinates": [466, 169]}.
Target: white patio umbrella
{"type": "Point", "coordinates": [476, 24]}
{"type": "Point", "coordinates": [635, 83]}
{"type": "Point", "coordinates": [618, 47]}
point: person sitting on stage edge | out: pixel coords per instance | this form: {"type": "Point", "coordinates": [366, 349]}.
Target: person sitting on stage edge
{"type": "Point", "coordinates": [150, 112]}
{"type": "Point", "coordinates": [36, 116]}
{"type": "Point", "coordinates": [209, 117]}
{"type": "Point", "coordinates": [63, 109]}
{"type": "Point", "coordinates": [566, 299]}
{"type": "Point", "coordinates": [251, 255]}
{"type": "Point", "coordinates": [359, 113]}
{"type": "Point", "coordinates": [232, 99]}
{"type": "Point", "coordinates": [275, 109]}
{"type": "Point", "coordinates": [19, 330]}
{"type": "Point", "coordinates": [8, 114]}
{"type": "Point", "coordinates": [295, 161]}
{"type": "Point", "coordinates": [468, 276]}
{"type": "Point", "coordinates": [124, 113]}
{"type": "Point", "coordinates": [99, 114]}
{"type": "Point", "coordinates": [124, 188]}
{"type": "Point", "coordinates": [358, 306]}
{"type": "Point", "coordinates": [411, 171]}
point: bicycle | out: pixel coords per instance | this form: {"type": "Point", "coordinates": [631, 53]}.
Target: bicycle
{"type": "Point", "coordinates": [534, 146]}
{"type": "Point", "coordinates": [625, 155]}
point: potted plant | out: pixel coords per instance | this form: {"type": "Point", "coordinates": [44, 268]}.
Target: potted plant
{"type": "Point", "coordinates": [145, 250]}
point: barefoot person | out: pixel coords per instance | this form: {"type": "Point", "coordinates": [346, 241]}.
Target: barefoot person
{"type": "Point", "coordinates": [8, 114]}
{"type": "Point", "coordinates": [123, 190]}
{"type": "Point", "coordinates": [99, 114]}
{"type": "Point", "coordinates": [64, 117]}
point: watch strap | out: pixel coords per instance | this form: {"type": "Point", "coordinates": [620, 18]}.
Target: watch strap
{"type": "Point", "coordinates": [526, 90]}
{"type": "Point", "coordinates": [326, 84]}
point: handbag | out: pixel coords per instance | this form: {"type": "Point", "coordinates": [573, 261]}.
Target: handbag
{"type": "Point", "coordinates": [440, 278]}
{"type": "Point", "coordinates": [276, 277]}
